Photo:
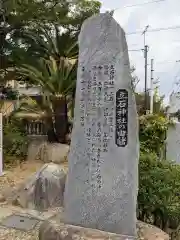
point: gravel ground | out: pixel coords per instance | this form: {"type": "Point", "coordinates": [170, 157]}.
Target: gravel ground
{"type": "Point", "coordinates": [12, 234]}
{"type": "Point", "coordinates": [17, 174]}
{"type": "Point", "coordinates": [11, 179]}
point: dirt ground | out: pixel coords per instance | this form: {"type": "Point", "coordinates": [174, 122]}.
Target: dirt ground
{"type": "Point", "coordinates": [16, 174]}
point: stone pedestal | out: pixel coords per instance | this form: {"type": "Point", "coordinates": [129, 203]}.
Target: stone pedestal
{"type": "Point", "coordinates": [58, 231]}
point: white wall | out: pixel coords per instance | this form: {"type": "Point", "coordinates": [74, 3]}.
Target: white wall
{"type": "Point", "coordinates": [31, 91]}
{"type": "Point", "coordinates": [173, 143]}
{"type": "Point", "coordinates": [23, 90]}
{"type": "Point", "coordinates": [174, 102]}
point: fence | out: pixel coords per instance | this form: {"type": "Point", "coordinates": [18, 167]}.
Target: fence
{"type": "Point", "coordinates": [35, 128]}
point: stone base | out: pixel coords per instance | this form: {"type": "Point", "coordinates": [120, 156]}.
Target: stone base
{"type": "Point", "coordinates": [54, 230]}
{"type": "Point", "coordinates": [50, 230]}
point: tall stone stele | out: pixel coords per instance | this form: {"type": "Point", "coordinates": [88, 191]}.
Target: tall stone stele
{"type": "Point", "coordinates": [102, 183]}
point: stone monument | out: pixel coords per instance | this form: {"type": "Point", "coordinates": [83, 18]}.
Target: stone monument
{"type": "Point", "coordinates": [102, 183]}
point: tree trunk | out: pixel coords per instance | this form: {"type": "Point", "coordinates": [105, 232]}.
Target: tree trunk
{"type": "Point", "coordinates": [73, 103]}
{"type": "Point", "coordinates": [52, 138]}
{"type": "Point", "coordinates": [158, 218]}
{"type": "Point", "coordinates": [60, 118]}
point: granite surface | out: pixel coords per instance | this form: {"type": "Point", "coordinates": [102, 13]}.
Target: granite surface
{"type": "Point", "coordinates": [102, 183]}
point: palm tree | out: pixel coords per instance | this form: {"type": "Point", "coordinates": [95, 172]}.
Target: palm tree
{"type": "Point", "coordinates": [57, 81]}
{"type": "Point", "coordinates": [49, 59]}
{"type": "Point", "coordinates": [44, 44]}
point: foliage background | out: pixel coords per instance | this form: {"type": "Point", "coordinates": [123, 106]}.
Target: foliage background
{"type": "Point", "coordinates": [159, 179]}
{"type": "Point", "coordinates": [15, 141]}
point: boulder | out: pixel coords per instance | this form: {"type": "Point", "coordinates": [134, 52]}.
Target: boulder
{"type": "Point", "coordinates": [55, 152]}
{"type": "Point", "coordinates": [51, 230]}
{"type": "Point", "coordinates": [36, 143]}
{"type": "Point", "coordinates": [48, 152]}
{"type": "Point", "coordinates": [44, 189]}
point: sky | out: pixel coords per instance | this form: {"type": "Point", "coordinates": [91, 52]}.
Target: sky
{"type": "Point", "coordinates": [164, 46]}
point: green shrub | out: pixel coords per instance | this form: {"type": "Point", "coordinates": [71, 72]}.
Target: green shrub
{"type": "Point", "coordinates": [152, 133]}
{"type": "Point", "coordinates": [159, 191]}
{"type": "Point", "coordinates": [15, 141]}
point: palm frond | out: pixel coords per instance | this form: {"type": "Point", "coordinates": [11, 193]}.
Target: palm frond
{"type": "Point", "coordinates": [54, 78]}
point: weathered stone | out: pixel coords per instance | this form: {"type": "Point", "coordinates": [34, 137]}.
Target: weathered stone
{"type": "Point", "coordinates": [36, 143]}
{"type": "Point", "coordinates": [57, 153]}
{"type": "Point", "coordinates": [48, 152]}
{"type": "Point", "coordinates": [25, 223]}
{"type": "Point", "coordinates": [102, 183]}
{"type": "Point", "coordinates": [50, 230]}
{"type": "Point", "coordinates": [44, 189]}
